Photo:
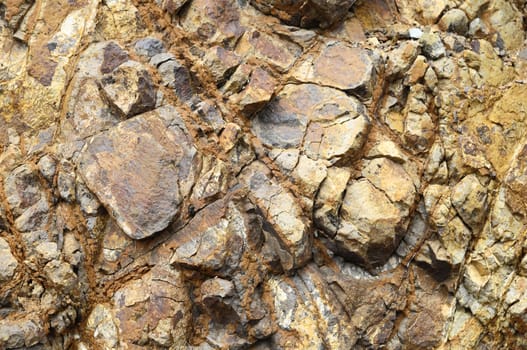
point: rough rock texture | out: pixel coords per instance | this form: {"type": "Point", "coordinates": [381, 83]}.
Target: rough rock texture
{"type": "Point", "coordinates": [314, 174]}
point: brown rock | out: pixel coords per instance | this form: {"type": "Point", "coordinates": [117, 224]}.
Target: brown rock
{"type": "Point", "coordinates": [129, 89]}
{"type": "Point", "coordinates": [143, 306]}
{"type": "Point", "coordinates": [280, 54]}
{"type": "Point", "coordinates": [340, 66]}
{"type": "Point", "coordinates": [259, 90]}
{"type": "Point", "coordinates": [308, 13]}
{"type": "Point", "coordinates": [221, 63]}
{"type": "Point", "coordinates": [217, 22]}
{"type": "Point", "coordinates": [142, 205]}
{"type": "Point", "coordinates": [215, 248]}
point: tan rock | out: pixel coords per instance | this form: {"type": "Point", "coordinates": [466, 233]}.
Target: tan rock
{"type": "Point", "coordinates": [307, 303]}
{"type": "Point", "coordinates": [329, 199]}
{"type": "Point", "coordinates": [454, 20]}
{"type": "Point", "coordinates": [129, 89]}
{"type": "Point", "coordinates": [371, 225]}
{"type": "Point", "coordinates": [431, 10]}
{"type": "Point", "coordinates": [338, 128]}
{"type": "Point", "coordinates": [402, 58]}
{"type": "Point", "coordinates": [309, 174]}
{"type": "Point", "coordinates": [8, 262]}
{"type": "Point", "coordinates": [143, 304]}
{"type": "Point", "coordinates": [102, 324]}
{"type": "Point", "coordinates": [215, 248]}
{"type": "Point", "coordinates": [283, 213]}
{"type": "Point", "coordinates": [221, 63]}
{"type": "Point", "coordinates": [392, 179]}
{"type": "Point", "coordinates": [469, 197]}
{"type": "Point", "coordinates": [340, 66]}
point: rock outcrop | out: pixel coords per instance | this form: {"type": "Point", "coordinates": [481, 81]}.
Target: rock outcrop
{"type": "Point", "coordinates": [309, 174]}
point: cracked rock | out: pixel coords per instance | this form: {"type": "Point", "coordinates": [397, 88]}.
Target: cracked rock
{"type": "Point", "coordinates": [141, 204]}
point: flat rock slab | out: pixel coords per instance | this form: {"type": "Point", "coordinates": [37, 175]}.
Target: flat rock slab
{"type": "Point", "coordinates": [340, 66]}
{"type": "Point", "coordinates": [137, 170]}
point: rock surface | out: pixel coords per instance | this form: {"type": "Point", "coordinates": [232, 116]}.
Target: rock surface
{"type": "Point", "coordinates": [311, 174]}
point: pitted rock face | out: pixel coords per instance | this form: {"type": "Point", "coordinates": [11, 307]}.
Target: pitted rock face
{"type": "Point", "coordinates": [133, 169]}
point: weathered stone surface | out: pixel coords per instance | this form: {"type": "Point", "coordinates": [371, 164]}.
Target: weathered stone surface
{"type": "Point", "coordinates": [340, 66]}
{"type": "Point", "coordinates": [469, 197]}
{"type": "Point", "coordinates": [325, 122]}
{"type": "Point", "coordinates": [20, 333]}
{"type": "Point", "coordinates": [142, 307]}
{"type": "Point", "coordinates": [213, 21]}
{"type": "Point", "coordinates": [308, 13]}
{"type": "Point", "coordinates": [297, 303]}
{"type": "Point", "coordinates": [215, 248]}
{"type": "Point", "coordinates": [149, 47]}
{"type": "Point", "coordinates": [280, 54]}
{"type": "Point", "coordinates": [156, 144]}
{"type": "Point", "coordinates": [27, 199]}
{"type": "Point", "coordinates": [371, 225]}
{"type": "Point", "coordinates": [175, 75]}
{"type": "Point", "coordinates": [221, 63]}
{"type": "Point", "coordinates": [311, 174]}
{"type": "Point", "coordinates": [432, 45]}
{"type": "Point", "coordinates": [129, 89]}
{"type": "Point", "coordinates": [284, 215]}
{"type": "Point", "coordinates": [455, 21]}
{"type": "Point", "coordinates": [259, 90]}
{"type": "Point", "coordinates": [8, 263]}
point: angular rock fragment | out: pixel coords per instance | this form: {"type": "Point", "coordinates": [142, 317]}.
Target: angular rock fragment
{"type": "Point", "coordinates": [175, 75]}
{"type": "Point", "coordinates": [154, 309]}
{"type": "Point", "coordinates": [171, 6]}
{"type": "Point", "coordinates": [129, 89]}
{"type": "Point", "coordinates": [221, 63]}
{"type": "Point", "coordinates": [329, 199]}
{"type": "Point", "coordinates": [149, 47]}
{"type": "Point", "coordinates": [278, 53]}
{"type": "Point", "coordinates": [141, 170]}
{"type": "Point", "coordinates": [258, 91]}
{"type": "Point", "coordinates": [469, 197]}
{"type": "Point", "coordinates": [27, 199]}
{"type": "Point", "coordinates": [21, 333]}
{"type": "Point", "coordinates": [432, 45]}
{"type": "Point", "coordinates": [102, 324]}
{"type": "Point", "coordinates": [213, 242]}
{"type": "Point", "coordinates": [305, 302]}
{"type": "Point", "coordinates": [285, 219]}
{"type": "Point", "coordinates": [217, 22]}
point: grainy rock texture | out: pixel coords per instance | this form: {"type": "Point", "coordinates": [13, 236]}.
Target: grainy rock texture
{"type": "Point", "coordinates": [263, 174]}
